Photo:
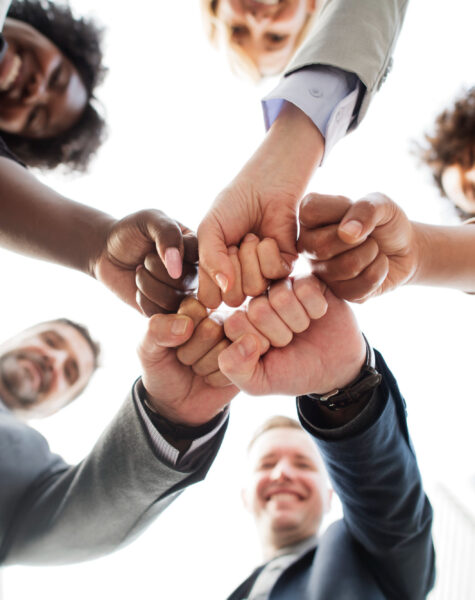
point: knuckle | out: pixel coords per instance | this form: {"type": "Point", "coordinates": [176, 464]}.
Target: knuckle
{"type": "Point", "coordinates": [254, 288]}
{"type": "Point", "coordinates": [258, 309]}
{"type": "Point", "coordinates": [280, 299]}
{"type": "Point", "coordinates": [234, 325]}
{"type": "Point", "coordinates": [371, 278]}
{"type": "Point", "coordinates": [183, 356]}
{"type": "Point", "coordinates": [367, 206]}
{"type": "Point", "coordinates": [210, 330]}
{"type": "Point", "coordinates": [350, 264]}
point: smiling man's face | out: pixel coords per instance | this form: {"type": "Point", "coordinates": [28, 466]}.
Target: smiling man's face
{"type": "Point", "coordinates": [44, 368]}
{"type": "Point", "coordinates": [287, 490]}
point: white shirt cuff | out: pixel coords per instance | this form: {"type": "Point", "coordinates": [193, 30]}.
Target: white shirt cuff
{"type": "Point", "coordinates": [326, 95]}
{"type": "Point", "coordinates": [165, 451]}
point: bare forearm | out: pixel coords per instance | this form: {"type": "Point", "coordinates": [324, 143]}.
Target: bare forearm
{"type": "Point", "coordinates": [38, 222]}
{"type": "Point", "coordinates": [290, 152]}
{"type": "Point", "coordinates": [446, 256]}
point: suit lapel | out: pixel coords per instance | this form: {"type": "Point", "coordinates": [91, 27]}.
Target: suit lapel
{"type": "Point", "coordinates": [244, 589]}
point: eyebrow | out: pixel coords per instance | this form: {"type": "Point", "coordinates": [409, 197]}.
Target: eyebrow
{"type": "Point", "coordinates": [57, 336]}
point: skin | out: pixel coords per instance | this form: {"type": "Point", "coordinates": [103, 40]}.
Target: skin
{"type": "Point", "coordinates": [93, 242]}
{"type": "Point", "coordinates": [266, 32]}
{"type": "Point", "coordinates": [286, 489]}
{"type": "Point", "coordinates": [174, 390]}
{"type": "Point", "coordinates": [263, 200]}
{"type": "Point", "coordinates": [329, 354]}
{"type": "Point", "coordinates": [459, 185]}
{"type": "Point", "coordinates": [43, 368]}
{"type": "Point", "coordinates": [42, 93]}
{"type": "Point", "coordinates": [336, 234]}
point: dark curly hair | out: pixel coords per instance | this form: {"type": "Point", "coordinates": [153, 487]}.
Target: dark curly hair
{"type": "Point", "coordinates": [80, 40]}
{"type": "Point", "coordinates": [453, 139]}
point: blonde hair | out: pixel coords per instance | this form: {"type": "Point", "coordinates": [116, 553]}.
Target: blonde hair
{"type": "Point", "coordinates": [275, 422]}
{"type": "Point", "coordinates": [241, 64]}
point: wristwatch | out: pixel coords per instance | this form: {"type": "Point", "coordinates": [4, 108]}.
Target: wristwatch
{"type": "Point", "coordinates": [367, 380]}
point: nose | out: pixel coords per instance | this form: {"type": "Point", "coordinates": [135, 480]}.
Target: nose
{"type": "Point", "coordinates": [282, 471]}
{"type": "Point", "coordinates": [54, 360]}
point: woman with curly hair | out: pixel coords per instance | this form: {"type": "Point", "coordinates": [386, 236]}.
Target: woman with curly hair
{"type": "Point", "coordinates": [49, 70]}
{"type": "Point", "coordinates": [450, 153]}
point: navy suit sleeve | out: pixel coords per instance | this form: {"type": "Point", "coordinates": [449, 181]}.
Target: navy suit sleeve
{"type": "Point", "coordinates": [376, 477]}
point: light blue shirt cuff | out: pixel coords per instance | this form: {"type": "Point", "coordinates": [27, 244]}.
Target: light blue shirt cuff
{"type": "Point", "coordinates": [165, 451]}
{"type": "Point", "coordinates": [327, 95]}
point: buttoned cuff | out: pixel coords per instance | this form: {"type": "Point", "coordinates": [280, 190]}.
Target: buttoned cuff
{"type": "Point", "coordinates": [327, 95]}
{"type": "Point", "coordinates": [169, 455]}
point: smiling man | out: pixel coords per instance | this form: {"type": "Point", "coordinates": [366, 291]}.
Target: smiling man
{"type": "Point", "coordinates": [45, 367]}
{"type": "Point", "coordinates": [353, 419]}
{"type": "Point", "coordinates": [287, 488]}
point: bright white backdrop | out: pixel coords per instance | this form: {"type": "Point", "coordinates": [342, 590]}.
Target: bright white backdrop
{"type": "Point", "coordinates": [180, 128]}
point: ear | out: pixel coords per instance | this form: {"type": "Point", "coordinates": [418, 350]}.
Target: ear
{"type": "Point", "coordinates": [245, 499]}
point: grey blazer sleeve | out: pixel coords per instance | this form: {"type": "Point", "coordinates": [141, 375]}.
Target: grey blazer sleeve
{"type": "Point", "coordinates": [53, 513]}
{"type": "Point", "coordinates": [386, 512]}
{"type": "Point", "coordinates": [355, 35]}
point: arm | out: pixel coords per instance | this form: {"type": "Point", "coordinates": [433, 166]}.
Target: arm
{"type": "Point", "coordinates": [374, 471]}
{"type": "Point", "coordinates": [38, 222]}
{"type": "Point", "coordinates": [54, 513]}
{"type": "Point", "coordinates": [358, 37]}
{"type": "Point", "coordinates": [262, 199]}
{"type": "Point", "coordinates": [366, 446]}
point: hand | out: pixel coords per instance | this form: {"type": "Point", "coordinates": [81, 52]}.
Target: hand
{"type": "Point", "coordinates": [174, 390]}
{"type": "Point", "coordinates": [148, 238]}
{"type": "Point", "coordinates": [263, 200]}
{"type": "Point", "coordinates": [328, 354]}
{"type": "Point", "coordinates": [360, 250]}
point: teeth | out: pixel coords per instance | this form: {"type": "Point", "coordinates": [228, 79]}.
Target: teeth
{"type": "Point", "coordinates": [283, 496]}
{"type": "Point", "coordinates": [12, 75]}
{"type": "Point", "coordinates": [268, 2]}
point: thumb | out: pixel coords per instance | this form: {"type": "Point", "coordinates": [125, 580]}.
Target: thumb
{"type": "Point", "coordinates": [164, 332]}
{"type": "Point", "coordinates": [240, 363]}
{"type": "Point", "coordinates": [213, 254]}
{"type": "Point", "coordinates": [168, 238]}
{"type": "Point", "coordinates": [364, 216]}
{"type": "Point", "coordinates": [318, 210]}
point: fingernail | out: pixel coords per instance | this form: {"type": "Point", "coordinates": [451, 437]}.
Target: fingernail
{"type": "Point", "coordinates": [222, 281]}
{"type": "Point", "coordinates": [173, 262]}
{"type": "Point", "coordinates": [352, 228]}
{"type": "Point", "coordinates": [179, 325]}
{"type": "Point", "coordinates": [250, 237]}
{"type": "Point", "coordinates": [247, 346]}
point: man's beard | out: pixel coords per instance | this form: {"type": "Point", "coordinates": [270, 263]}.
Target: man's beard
{"type": "Point", "coordinates": [17, 379]}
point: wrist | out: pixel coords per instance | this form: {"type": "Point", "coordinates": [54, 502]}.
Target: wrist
{"type": "Point", "coordinates": [176, 415]}
{"type": "Point", "coordinates": [101, 227]}
{"type": "Point", "coordinates": [290, 152]}
{"type": "Point", "coordinates": [422, 253]}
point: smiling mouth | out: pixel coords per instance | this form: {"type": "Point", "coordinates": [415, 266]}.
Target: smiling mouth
{"type": "Point", "coordinates": [283, 496]}
{"type": "Point", "coordinates": [11, 76]}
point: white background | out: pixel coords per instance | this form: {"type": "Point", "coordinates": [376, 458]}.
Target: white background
{"type": "Point", "coordinates": [180, 127]}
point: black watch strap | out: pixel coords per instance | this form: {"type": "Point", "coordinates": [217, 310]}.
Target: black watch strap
{"type": "Point", "coordinates": [367, 380]}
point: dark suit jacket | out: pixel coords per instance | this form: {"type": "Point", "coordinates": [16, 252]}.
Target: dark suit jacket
{"type": "Point", "coordinates": [51, 512]}
{"type": "Point", "coordinates": [382, 548]}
